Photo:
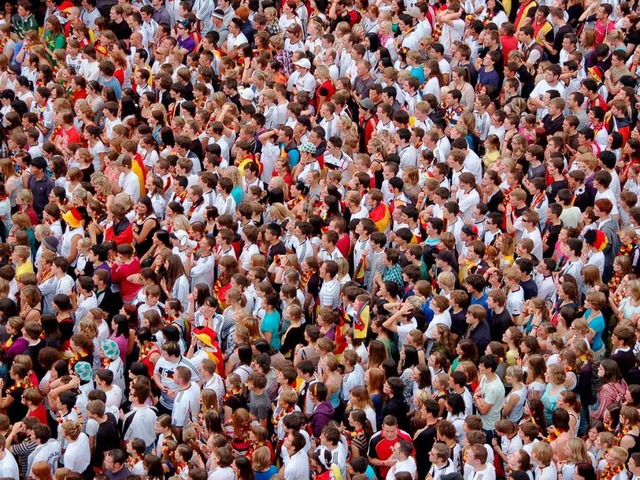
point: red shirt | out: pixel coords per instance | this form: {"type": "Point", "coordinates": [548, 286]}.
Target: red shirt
{"type": "Point", "coordinates": [509, 43]}
{"type": "Point", "coordinates": [40, 413]}
{"type": "Point", "coordinates": [119, 274]}
{"type": "Point", "coordinates": [344, 244]}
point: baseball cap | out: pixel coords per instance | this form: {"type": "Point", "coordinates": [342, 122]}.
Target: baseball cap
{"type": "Point", "coordinates": [247, 94]}
{"type": "Point", "coordinates": [367, 104]}
{"type": "Point", "coordinates": [303, 62]}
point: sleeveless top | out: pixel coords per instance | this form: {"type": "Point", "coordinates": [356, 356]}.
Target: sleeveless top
{"type": "Point", "coordinates": [518, 409]}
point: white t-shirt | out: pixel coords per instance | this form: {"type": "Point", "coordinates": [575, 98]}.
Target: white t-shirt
{"type": "Point", "coordinates": [77, 456]}
{"type": "Point", "coordinates": [130, 185]}
{"type": "Point", "coordinates": [9, 466]}
{"type": "Point", "coordinates": [186, 406]}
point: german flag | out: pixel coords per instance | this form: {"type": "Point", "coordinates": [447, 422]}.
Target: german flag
{"type": "Point", "coordinates": [361, 320]}
{"type": "Point", "coordinates": [359, 271]}
{"type": "Point", "coordinates": [380, 216]}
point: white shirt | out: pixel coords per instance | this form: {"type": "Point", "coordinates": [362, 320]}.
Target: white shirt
{"type": "Point", "coordinates": [9, 466]}
{"type": "Point", "coordinates": [77, 455]}
{"type": "Point", "coordinates": [143, 424]}
{"type": "Point", "coordinates": [130, 185]}
{"type": "Point", "coordinates": [202, 271]}
{"type": "Point", "coordinates": [408, 465]}
{"type": "Point", "coordinates": [297, 466]}
{"type": "Point", "coordinates": [186, 406]}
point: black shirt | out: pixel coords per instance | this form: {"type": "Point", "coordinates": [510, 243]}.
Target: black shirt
{"type": "Point", "coordinates": [121, 30]}
{"type": "Point", "coordinates": [107, 438]}
{"type": "Point", "coordinates": [499, 323]}
{"type": "Point", "coordinates": [530, 289]}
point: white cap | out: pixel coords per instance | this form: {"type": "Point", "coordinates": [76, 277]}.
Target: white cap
{"type": "Point", "coordinates": [303, 62]}
{"type": "Point", "coordinates": [247, 94]}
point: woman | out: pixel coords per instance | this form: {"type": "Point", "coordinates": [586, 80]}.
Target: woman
{"type": "Point", "coordinates": [30, 303]}
{"type": "Point", "coordinates": [359, 399]}
{"type": "Point", "coordinates": [629, 430]}
{"type": "Point", "coordinates": [374, 380]}
{"type": "Point", "coordinates": [294, 335]}
{"type": "Point", "coordinates": [612, 390]}
{"type": "Point", "coordinates": [435, 79]}
{"type": "Point", "coordinates": [467, 351]}
{"type": "Point", "coordinates": [395, 403]}
{"type": "Point", "coordinates": [161, 242]}
{"type": "Point", "coordinates": [536, 368]}
{"type": "Point", "coordinates": [460, 81]}
{"type": "Point", "coordinates": [53, 37]}
{"type": "Point", "coordinates": [513, 408]}
{"type": "Point", "coordinates": [332, 379]}
{"type": "Point", "coordinates": [575, 453]}
{"type": "Point", "coordinates": [494, 13]}
{"type": "Point", "coordinates": [362, 432]}
{"type": "Point", "coordinates": [559, 433]}
{"type": "Point", "coordinates": [176, 283]}
{"type": "Point", "coordinates": [121, 334]}
{"type": "Point", "coordinates": [144, 226]}
{"type": "Point", "coordinates": [64, 311]}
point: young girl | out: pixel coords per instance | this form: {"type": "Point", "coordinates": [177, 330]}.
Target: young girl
{"type": "Point", "coordinates": [512, 337]}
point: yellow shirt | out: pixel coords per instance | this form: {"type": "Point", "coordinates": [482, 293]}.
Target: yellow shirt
{"type": "Point", "coordinates": [26, 267]}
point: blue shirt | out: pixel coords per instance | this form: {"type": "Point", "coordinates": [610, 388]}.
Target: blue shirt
{"type": "Point", "coordinates": [271, 323]}
{"type": "Point", "coordinates": [597, 325]}
{"type": "Point", "coordinates": [267, 474]}
{"type": "Point", "coordinates": [113, 83]}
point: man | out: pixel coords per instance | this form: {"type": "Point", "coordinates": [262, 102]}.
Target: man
{"type": "Point", "coordinates": [107, 437]}
{"type": "Point", "coordinates": [329, 296]}
{"type": "Point", "coordinates": [477, 459]}
{"type": "Point", "coordinates": [140, 420]}
{"type": "Point", "coordinates": [115, 464]}
{"type": "Point", "coordinates": [381, 445]}
{"type": "Point", "coordinates": [186, 404]}
{"type": "Point", "coordinates": [404, 460]}
{"type": "Point", "coordinates": [296, 466]}
{"type": "Point", "coordinates": [26, 20]}
{"type": "Point", "coordinates": [489, 396]}
{"type": "Point", "coordinates": [128, 181]}
{"type": "Point", "coordinates": [441, 464]}
{"type": "Point", "coordinates": [478, 329]}
{"type": "Point", "coordinates": [602, 209]}
{"type": "Point", "coordinates": [40, 185]}
{"type": "Point", "coordinates": [551, 81]}
{"type": "Point", "coordinates": [47, 449]}
{"type": "Point", "coordinates": [164, 374]}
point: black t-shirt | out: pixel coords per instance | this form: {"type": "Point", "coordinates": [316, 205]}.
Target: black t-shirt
{"type": "Point", "coordinates": [17, 410]}
{"type": "Point", "coordinates": [107, 438]}
{"type": "Point", "coordinates": [121, 30]}
{"type": "Point", "coordinates": [550, 238]}
{"type": "Point", "coordinates": [499, 323]}
{"type": "Point", "coordinates": [458, 322]}
{"type": "Point", "coordinates": [530, 289]}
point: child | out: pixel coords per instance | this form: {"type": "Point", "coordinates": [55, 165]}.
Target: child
{"type": "Point", "coordinates": [446, 283]}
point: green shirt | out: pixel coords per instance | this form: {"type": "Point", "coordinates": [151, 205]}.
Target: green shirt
{"type": "Point", "coordinates": [24, 25]}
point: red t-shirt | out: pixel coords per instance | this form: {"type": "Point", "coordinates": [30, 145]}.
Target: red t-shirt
{"type": "Point", "coordinates": [40, 413]}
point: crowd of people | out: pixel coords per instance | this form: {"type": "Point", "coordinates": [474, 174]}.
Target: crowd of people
{"type": "Point", "coordinates": [323, 240]}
